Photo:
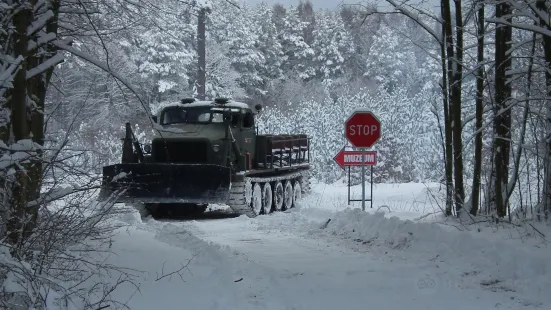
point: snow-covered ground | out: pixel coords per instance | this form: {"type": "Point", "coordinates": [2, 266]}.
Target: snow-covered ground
{"type": "Point", "coordinates": [402, 259]}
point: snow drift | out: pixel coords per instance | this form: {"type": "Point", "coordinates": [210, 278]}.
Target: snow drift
{"type": "Point", "coordinates": [502, 264]}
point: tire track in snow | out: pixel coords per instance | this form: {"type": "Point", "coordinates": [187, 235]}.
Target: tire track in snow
{"type": "Point", "coordinates": [323, 274]}
{"type": "Point", "coordinates": [247, 281]}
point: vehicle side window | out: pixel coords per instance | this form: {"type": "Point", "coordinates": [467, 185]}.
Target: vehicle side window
{"type": "Point", "coordinates": [203, 117]}
{"type": "Point", "coordinates": [235, 119]}
{"type": "Point", "coordinates": [171, 116]}
{"type": "Point", "coordinates": [217, 118]}
{"type": "Point", "coordinates": [248, 120]}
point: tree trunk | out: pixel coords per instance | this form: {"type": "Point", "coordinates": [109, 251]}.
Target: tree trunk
{"type": "Point", "coordinates": [201, 54]}
{"type": "Point", "coordinates": [448, 146]}
{"type": "Point", "coordinates": [37, 88]}
{"type": "Point", "coordinates": [502, 111]}
{"type": "Point", "coordinates": [20, 129]}
{"type": "Point", "coordinates": [454, 59]}
{"type": "Point", "coordinates": [26, 100]}
{"type": "Point", "coordinates": [479, 111]}
{"type": "Point", "coordinates": [456, 107]}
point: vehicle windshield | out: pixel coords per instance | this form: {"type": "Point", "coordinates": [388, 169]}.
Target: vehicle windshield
{"type": "Point", "coordinates": [192, 115]}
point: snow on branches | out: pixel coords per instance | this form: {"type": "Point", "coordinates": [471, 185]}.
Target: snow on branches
{"type": "Point", "coordinates": [403, 151]}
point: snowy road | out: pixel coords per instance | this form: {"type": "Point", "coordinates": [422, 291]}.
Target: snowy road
{"type": "Point", "coordinates": [314, 273]}
{"type": "Point", "coordinates": [286, 261]}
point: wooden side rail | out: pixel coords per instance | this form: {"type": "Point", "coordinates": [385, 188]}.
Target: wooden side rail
{"type": "Point", "coordinates": [282, 150]}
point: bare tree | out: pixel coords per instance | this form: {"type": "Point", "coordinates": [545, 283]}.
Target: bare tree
{"type": "Point", "coordinates": [452, 75]}
{"type": "Point", "coordinates": [515, 14]}
{"type": "Point", "coordinates": [502, 112]}
{"type": "Point", "coordinates": [49, 242]}
{"type": "Point", "coordinates": [477, 173]}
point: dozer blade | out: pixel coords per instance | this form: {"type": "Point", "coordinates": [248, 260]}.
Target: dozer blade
{"type": "Point", "coordinates": [167, 183]}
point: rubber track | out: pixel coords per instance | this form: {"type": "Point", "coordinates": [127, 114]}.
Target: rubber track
{"type": "Point", "coordinates": [237, 193]}
{"type": "Point", "coordinates": [237, 200]}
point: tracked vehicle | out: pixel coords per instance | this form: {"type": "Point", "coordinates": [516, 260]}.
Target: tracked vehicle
{"type": "Point", "coordinates": [210, 152]}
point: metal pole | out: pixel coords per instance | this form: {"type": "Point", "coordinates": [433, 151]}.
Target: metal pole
{"type": "Point", "coordinates": [371, 186]}
{"type": "Point", "coordinates": [348, 185]}
{"type": "Point", "coordinates": [363, 179]}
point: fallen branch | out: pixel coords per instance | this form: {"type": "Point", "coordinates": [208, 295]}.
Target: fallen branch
{"type": "Point", "coordinates": [384, 206]}
{"type": "Point", "coordinates": [178, 272]}
{"type": "Point", "coordinates": [426, 215]}
{"type": "Point", "coordinates": [539, 232]}
{"type": "Point", "coordinates": [324, 226]}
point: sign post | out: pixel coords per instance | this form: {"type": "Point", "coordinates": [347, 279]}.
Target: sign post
{"type": "Point", "coordinates": [348, 159]}
{"type": "Point", "coordinates": [363, 130]}
{"type": "Point", "coordinates": [363, 180]}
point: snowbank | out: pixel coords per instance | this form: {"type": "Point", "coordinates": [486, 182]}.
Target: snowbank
{"type": "Point", "coordinates": [411, 230]}
{"type": "Point", "coordinates": [500, 264]}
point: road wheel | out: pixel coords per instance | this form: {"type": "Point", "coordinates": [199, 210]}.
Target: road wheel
{"type": "Point", "coordinates": [278, 196]}
{"type": "Point", "coordinates": [248, 192]}
{"type": "Point", "coordinates": [257, 199]}
{"type": "Point", "coordinates": [288, 195]}
{"type": "Point", "coordinates": [297, 193]}
{"type": "Point", "coordinates": [267, 198]}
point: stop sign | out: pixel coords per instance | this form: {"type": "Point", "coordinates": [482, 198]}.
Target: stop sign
{"type": "Point", "coordinates": [363, 129]}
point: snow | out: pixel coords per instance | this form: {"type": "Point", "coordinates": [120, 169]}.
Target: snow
{"type": "Point", "coordinates": [46, 65]}
{"type": "Point", "coordinates": [8, 159]}
{"type": "Point", "coordinates": [55, 194]}
{"type": "Point", "coordinates": [207, 4]}
{"type": "Point", "coordinates": [401, 254]}
{"type": "Point", "coordinates": [119, 176]}
{"type": "Point", "coordinates": [313, 69]}
{"type": "Point", "coordinates": [40, 22]}
{"type": "Point", "coordinates": [229, 104]}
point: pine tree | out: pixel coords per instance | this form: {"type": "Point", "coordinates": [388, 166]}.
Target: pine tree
{"type": "Point", "coordinates": [268, 45]}
{"type": "Point", "coordinates": [390, 59]}
{"type": "Point", "coordinates": [332, 46]}
{"type": "Point", "coordinates": [298, 53]}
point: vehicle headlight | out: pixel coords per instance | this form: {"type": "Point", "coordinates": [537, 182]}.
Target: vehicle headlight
{"type": "Point", "coordinates": [147, 148]}
{"type": "Point", "coordinates": [216, 147]}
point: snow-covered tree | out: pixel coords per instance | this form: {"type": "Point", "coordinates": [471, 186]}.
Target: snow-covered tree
{"type": "Point", "coordinates": [298, 53]}
{"type": "Point", "coordinates": [162, 49]}
{"type": "Point", "coordinates": [223, 80]}
{"type": "Point", "coordinates": [332, 46]}
{"type": "Point", "coordinates": [390, 60]}
{"type": "Point", "coordinates": [243, 42]}
{"type": "Point", "coordinates": [44, 244]}
{"type": "Point", "coordinates": [268, 46]}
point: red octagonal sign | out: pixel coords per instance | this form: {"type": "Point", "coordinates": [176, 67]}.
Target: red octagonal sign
{"type": "Point", "coordinates": [363, 129]}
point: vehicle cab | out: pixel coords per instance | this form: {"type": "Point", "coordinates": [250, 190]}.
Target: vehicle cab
{"type": "Point", "coordinates": [193, 131]}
